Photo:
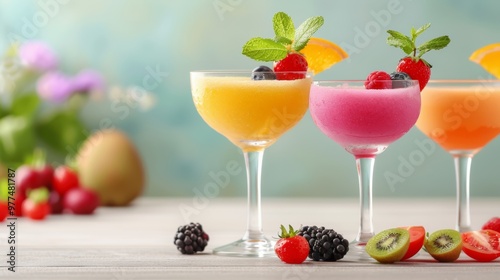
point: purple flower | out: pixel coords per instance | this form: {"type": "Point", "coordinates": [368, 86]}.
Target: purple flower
{"type": "Point", "coordinates": [87, 81]}
{"type": "Point", "coordinates": [55, 86]}
{"type": "Point", "coordinates": [38, 56]}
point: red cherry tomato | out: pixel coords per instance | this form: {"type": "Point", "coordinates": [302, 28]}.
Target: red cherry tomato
{"type": "Point", "coordinates": [18, 204]}
{"type": "Point", "coordinates": [481, 245]}
{"type": "Point", "coordinates": [81, 201]}
{"type": "Point", "coordinates": [64, 180]}
{"type": "Point", "coordinates": [417, 238]}
{"type": "Point", "coordinates": [35, 211]}
{"type": "Point", "coordinates": [4, 212]}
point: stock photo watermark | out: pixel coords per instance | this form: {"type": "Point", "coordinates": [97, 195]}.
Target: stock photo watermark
{"type": "Point", "coordinates": [364, 35]}
{"type": "Point", "coordinates": [453, 119]}
{"type": "Point", "coordinates": [222, 7]}
{"type": "Point", "coordinates": [201, 199]}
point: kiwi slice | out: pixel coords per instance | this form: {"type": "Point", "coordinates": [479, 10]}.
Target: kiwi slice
{"type": "Point", "coordinates": [444, 245]}
{"type": "Point", "coordinates": [389, 246]}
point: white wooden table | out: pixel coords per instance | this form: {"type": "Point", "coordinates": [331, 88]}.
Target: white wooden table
{"type": "Point", "coordinates": [137, 242]}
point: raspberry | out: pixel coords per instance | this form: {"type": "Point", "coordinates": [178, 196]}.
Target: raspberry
{"type": "Point", "coordinates": [292, 62]}
{"type": "Point", "coordinates": [493, 224]}
{"type": "Point", "coordinates": [324, 244]}
{"type": "Point", "coordinates": [190, 239]}
{"type": "Point", "coordinates": [378, 80]}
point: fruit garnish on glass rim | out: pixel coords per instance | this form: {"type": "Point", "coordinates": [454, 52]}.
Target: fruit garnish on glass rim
{"type": "Point", "coordinates": [290, 47]}
{"type": "Point", "coordinates": [489, 58]}
{"type": "Point", "coordinates": [413, 64]}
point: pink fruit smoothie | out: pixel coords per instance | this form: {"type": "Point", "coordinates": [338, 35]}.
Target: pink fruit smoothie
{"type": "Point", "coordinates": [364, 120]}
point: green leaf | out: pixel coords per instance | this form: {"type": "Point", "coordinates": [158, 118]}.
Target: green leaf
{"type": "Point", "coordinates": [264, 49]}
{"type": "Point", "coordinates": [4, 189]}
{"type": "Point", "coordinates": [283, 26]}
{"type": "Point", "coordinates": [283, 40]}
{"type": "Point", "coordinates": [17, 139]}
{"type": "Point", "coordinates": [305, 31]}
{"type": "Point", "coordinates": [434, 44]}
{"type": "Point", "coordinates": [399, 40]}
{"type": "Point", "coordinates": [25, 105]}
{"type": "Point", "coordinates": [422, 29]}
{"type": "Point", "coordinates": [39, 195]}
{"type": "Point", "coordinates": [62, 131]}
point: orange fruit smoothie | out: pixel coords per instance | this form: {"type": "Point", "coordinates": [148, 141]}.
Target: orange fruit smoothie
{"type": "Point", "coordinates": [463, 118]}
{"type": "Point", "coordinates": [251, 114]}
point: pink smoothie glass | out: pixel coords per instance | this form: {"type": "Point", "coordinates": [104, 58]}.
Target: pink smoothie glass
{"type": "Point", "coordinates": [364, 122]}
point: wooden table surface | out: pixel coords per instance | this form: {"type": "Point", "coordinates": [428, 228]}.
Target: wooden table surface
{"type": "Point", "coordinates": [137, 242]}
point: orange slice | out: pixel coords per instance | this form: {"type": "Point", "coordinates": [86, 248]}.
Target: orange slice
{"type": "Point", "coordinates": [489, 58]}
{"type": "Point", "coordinates": [321, 54]}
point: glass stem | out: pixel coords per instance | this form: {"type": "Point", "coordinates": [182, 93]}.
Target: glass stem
{"type": "Point", "coordinates": [365, 174]}
{"type": "Point", "coordinates": [462, 173]}
{"type": "Point", "coordinates": [253, 162]}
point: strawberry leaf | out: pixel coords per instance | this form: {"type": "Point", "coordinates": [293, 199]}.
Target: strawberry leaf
{"type": "Point", "coordinates": [305, 31]}
{"type": "Point", "coordinates": [264, 49]}
{"type": "Point", "coordinates": [283, 26]}
{"type": "Point", "coordinates": [434, 44]}
{"type": "Point", "coordinates": [399, 40]}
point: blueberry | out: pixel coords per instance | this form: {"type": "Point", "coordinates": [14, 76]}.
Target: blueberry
{"type": "Point", "coordinates": [399, 76]}
{"type": "Point", "coordinates": [263, 73]}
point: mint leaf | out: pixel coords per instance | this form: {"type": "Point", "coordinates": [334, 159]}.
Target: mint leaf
{"type": "Point", "coordinates": [399, 40]}
{"type": "Point", "coordinates": [422, 29]}
{"type": "Point", "coordinates": [283, 26]}
{"type": "Point", "coordinates": [283, 40]}
{"type": "Point", "coordinates": [434, 44]}
{"type": "Point", "coordinates": [264, 49]}
{"type": "Point", "coordinates": [305, 31]}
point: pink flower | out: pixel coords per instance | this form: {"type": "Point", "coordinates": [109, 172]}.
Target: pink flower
{"type": "Point", "coordinates": [55, 86]}
{"type": "Point", "coordinates": [87, 81]}
{"type": "Point", "coordinates": [38, 55]}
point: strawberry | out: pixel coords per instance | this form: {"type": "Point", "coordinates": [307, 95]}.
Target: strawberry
{"type": "Point", "coordinates": [284, 49]}
{"type": "Point", "coordinates": [292, 62]}
{"type": "Point", "coordinates": [291, 248]}
{"type": "Point", "coordinates": [418, 70]}
{"type": "Point", "coordinates": [378, 80]}
{"type": "Point", "coordinates": [413, 64]}
{"type": "Point", "coordinates": [493, 224]}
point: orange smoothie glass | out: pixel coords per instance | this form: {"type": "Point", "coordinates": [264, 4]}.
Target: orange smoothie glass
{"type": "Point", "coordinates": [462, 117]}
{"type": "Point", "coordinates": [252, 114]}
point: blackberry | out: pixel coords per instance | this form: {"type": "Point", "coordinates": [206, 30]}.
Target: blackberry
{"type": "Point", "coordinates": [190, 239]}
{"type": "Point", "coordinates": [263, 73]}
{"type": "Point", "coordinates": [324, 244]}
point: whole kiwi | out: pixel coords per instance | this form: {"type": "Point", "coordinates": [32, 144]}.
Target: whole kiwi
{"type": "Point", "coordinates": [389, 246]}
{"type": "Point", "coordinates": [109, 164]}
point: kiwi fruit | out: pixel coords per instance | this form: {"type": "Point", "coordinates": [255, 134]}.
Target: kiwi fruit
{"type": "Point", "coordinates": [389, 246]}
{"type": "Point", "coordinates": [444, 245]}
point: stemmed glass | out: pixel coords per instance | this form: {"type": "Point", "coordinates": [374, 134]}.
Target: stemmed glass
{"type": "Point", "coordinates": [462, 117]}
{"type": "Point", "coordinates": [364, 121]}
{"type": "Point", "coordinates": [252, 114]}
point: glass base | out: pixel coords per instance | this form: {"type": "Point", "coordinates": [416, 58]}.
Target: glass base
{"type": "Point", "coordinates": [257, 248]}
{"type": "Point", "coordinates": [357, 251]}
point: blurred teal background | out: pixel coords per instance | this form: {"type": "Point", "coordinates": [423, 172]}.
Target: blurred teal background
{"type": "Point", "coordinates": [129, 40]}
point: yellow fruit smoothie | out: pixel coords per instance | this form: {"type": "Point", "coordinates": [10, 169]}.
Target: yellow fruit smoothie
{"type": "Point", "coordinates": [251, 114]}
{"type": "Point", "coordinates": [461, 118]}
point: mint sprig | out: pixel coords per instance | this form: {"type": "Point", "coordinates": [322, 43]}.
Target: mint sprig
{"type": "Point", "coordinates": [408, 43]}
{"type": "Point", "coordinates": [264, 49]}
{"type": "Point", "coordinates": [287, 39]}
